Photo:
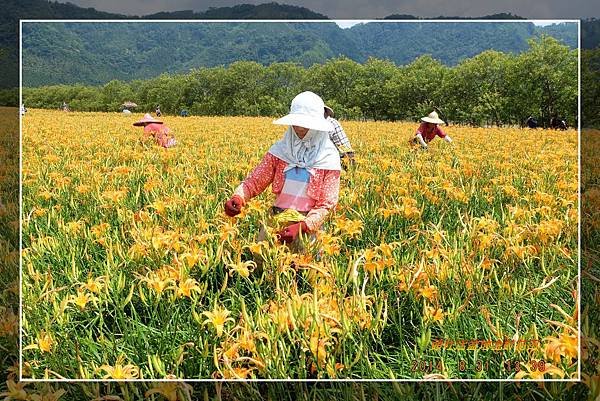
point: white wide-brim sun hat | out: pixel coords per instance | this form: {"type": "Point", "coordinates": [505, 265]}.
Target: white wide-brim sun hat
{"type": "Point", "coordinates": [306, 111]}
{"type": "Point", "coordinates": [432, 118]}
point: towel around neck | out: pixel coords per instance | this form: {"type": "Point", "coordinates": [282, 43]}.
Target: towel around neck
{"type": "Point", "coordinates": [314, 151]}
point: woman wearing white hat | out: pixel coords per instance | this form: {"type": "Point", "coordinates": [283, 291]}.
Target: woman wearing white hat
{"type": "Point", "coordinates": [303, 169]}
{"type": "Point", "coordinates": [428, 130]}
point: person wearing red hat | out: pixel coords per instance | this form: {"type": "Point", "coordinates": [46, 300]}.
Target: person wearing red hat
{"type": "Point", "coordinates": [428, 130]}
{"type": "Point", "coordinates": [156, 129]}
{"type": "Point", "coordinates": [303, 169]}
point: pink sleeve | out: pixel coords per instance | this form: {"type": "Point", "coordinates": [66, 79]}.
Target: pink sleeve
{"type": "Point", "coordinates": [419, 130]}
{"type": "Point", "coordinates": [148, 131]}
{"type": "Point", "coordinates": [153, 127]}
{"type": "Point", "coordinates": [439, 132]}
{"type": "Point", "coordinates": [259, 179]}
{"type": "Point", "coordinates": [327, 201]}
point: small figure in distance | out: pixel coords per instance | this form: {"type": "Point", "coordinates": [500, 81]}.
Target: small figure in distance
{"type": "Point", "coordinates": [339, 138]}
{"type": "Point", "coordinates": [557, 123]}
{"type": "Point", "coordinates": [531, 122]}
{"type": "Point", "coordinates": [184, 113]}
{"type": "Point", "coordinates": [428, 130]}
{"type": "Point", "coordinates": [158, 113]}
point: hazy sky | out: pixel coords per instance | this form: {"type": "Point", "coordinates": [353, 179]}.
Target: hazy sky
{"type": "Point", "coordinates": [537, 9]}
{"type": "Point", "coordinates": [349, 23]}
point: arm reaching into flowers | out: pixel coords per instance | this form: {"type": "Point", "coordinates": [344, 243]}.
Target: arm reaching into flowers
{"type": "Point", "coordinates": [421, 141]}
{"type": "Point", "coordinates": [254, 184]}
{"type": "Point", "coordinates": [258, 180]}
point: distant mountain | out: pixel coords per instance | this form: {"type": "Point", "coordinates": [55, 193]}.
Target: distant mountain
{"type": "Point", "coordinates": [331, 42]}
{"type": "Point", "coordinates": [95, 53]}
{"type": "Point", "coordinates": [451, 42]}
{"type": "Point", "coordinates": [590, 33]}
{"type": "Point", "coordinates": [562, 32]}
{"type": "Point", "coordinates": [244, 11]}
{"type": "Point", "coordinates": [13, 10]}
{"type": "Point", "coordinates": [492, 16]}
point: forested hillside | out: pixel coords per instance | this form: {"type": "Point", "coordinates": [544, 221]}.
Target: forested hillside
{"type": "Point", "coordinates": [14, 10]}
{"type": "Point", "coordinates": [95, 53]}
{"type": "Point", "coordinates": [145, 62]}
{"type": "Point", "coordinates": [490, 88]}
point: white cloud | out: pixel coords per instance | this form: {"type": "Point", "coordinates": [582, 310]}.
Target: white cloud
{"type": "Point", "coordinates": [546, 22]}
{"type": "Point", "coordinates": [346, 23]}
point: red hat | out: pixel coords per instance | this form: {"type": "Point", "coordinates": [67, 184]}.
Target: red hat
{"type": "Point", "coordinates": [147, 119]}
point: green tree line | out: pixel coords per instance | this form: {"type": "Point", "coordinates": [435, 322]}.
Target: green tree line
{"type": "Point", "coordinates": [490, 88]}
{"type": "Point", "coordinates": [95, 53]}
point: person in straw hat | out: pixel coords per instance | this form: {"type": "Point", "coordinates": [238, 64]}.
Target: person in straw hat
{"type": "Point", "coordinates": [303, 169]}
{"type": "Point", "coordinates": [428, 130]}
{"type": "Point", "coordinates": [339, 137]}
{"type": "Point", "coordinates": [156, 129]}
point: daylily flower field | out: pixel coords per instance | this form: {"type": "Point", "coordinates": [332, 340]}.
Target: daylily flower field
{"type": "Point", "coordinates": [456, 262]}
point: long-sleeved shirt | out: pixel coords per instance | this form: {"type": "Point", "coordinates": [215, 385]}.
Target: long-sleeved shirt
{"type": "Point", "coordinates": [339, 137]}
{"type": "Point", "coordinates": [161, 133]}
{"type": "Point", "coordinates": [323, 187]}
{"type": "Point", "coordinates": [429, 131]}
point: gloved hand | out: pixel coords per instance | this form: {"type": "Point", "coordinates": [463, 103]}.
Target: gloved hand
{"type": "Point", "coordinates": [290, 233]}
{"type": "Point", "coordinates": [347, 160]}
{"type": "Point", "coordinates": [419, 139]}
{"type": "Point", "coordinates": [351, 160]}
{"type": "Point", "coordinates": [233, 206]}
